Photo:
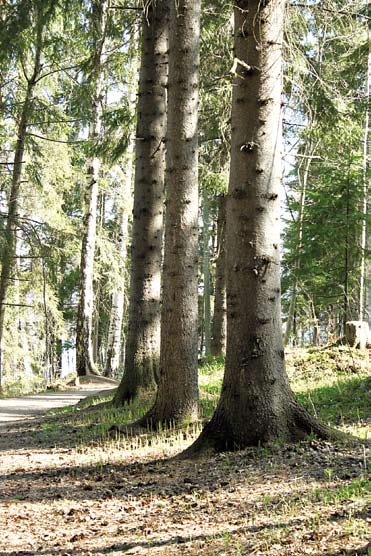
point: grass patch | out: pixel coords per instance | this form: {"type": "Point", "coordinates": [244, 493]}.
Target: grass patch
{"type": "Point", "coordinates": [324, 382]}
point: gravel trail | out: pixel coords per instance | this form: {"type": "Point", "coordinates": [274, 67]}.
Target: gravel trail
{"type": "Point", "coordinates": [26, 407]}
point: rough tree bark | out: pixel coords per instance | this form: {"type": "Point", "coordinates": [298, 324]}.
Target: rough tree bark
{"type": "Point", "coordinates": [142, 352]}
{"type": "Point", "coordinates": [256, 403]}
{"type": "Point", "coordinates": [219, 323]}
{"type": "Point", "coordinates": [9, 252]}
{"type": "Point", "coordinates": [177, 395]}
{"type": "Point", "coordinates": [84, 348]}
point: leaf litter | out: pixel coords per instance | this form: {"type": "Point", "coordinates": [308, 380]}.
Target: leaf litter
{"type": "Point", "coordinates": [72, 487]}
{"type": "Point", "coordinates": [63, 500]}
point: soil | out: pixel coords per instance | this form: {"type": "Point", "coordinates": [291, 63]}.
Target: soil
{"type": "Point", "coordinates": [71, 487]}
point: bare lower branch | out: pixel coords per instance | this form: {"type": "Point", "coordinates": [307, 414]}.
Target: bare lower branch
{"type": "Point", "coordinates": [322, 8]}
{"type": "Point", "coordinates": [55, 140]}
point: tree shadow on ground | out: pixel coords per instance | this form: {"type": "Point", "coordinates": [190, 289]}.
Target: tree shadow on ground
{"type": "Point", "coordinates": [346, 402]}
{"type": "Point", "coordinates": [314, 460]}
{"type": "Point", "coordinates": [183, 540]}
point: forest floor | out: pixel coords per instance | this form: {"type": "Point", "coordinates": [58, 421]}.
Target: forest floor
{"type": "Point", "coordinates": [82, 483]}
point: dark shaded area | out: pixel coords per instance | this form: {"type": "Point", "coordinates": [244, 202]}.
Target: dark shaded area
{"type": "Point", "coordinates": [108, 481]}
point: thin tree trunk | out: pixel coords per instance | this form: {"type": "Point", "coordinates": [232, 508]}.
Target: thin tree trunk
{"type": "Point", "coordinates": [219, 324]}
{"type": "Point", "coordinates": [346, 258]}
{"type": "Point", "coordinates": [256, 403]}
{"type": "Point", "coordinates": [84, 349]}
{"type": "Point", "coordinates": [362, 292]}
{"type": "Point", "coordinates": [114, 343]}
{"type": "Point", "coordinates": [304, 183]}
{"type": "Point", "coordinates": [8, 256]}
{"type": "Point", "coordinates": [206, 272]}
{"type": "Point", "coordinates": [177, 395]}
{"type": "Point", "coordinates": [98, 282]}
{"type": "Point", "coordinates": [142, 353]}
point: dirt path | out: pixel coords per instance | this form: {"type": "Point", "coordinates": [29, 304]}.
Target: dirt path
{"type": "Point", "coordinates": [17, 409]}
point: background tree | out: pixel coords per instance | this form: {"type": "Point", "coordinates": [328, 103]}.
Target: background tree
{"type": "Point", "coordinates": [219, 323]}
{"type": "Point", "coordinates": [38, 18]}
{"type": "Point", "coordinates": [114, 337]}
{"type": "Point", "coordinates": [214, 133]}
{"type": "Point", "coordinates": [84, 349]}
{"type": "Point", "coordinates": [43, 288]}
{"type": "Point", "coordinates": [325, 117]}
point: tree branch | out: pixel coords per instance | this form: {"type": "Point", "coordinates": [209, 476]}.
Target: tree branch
{"type": "Point", "coordinates": [55, 140]}
{"type": "Point", "coordinates": [55, 71]}
{"type": "Point", "coordinates": [125, 8]}
{"type": "Point", "coordinates": [322, 8]}
{"type": "Point", "coordinates": [18, 305]}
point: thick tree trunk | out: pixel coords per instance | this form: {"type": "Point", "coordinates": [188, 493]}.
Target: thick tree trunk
{"type": "Point", "coordinates": [219, 324]}
{"type": "Point", "coordinates": [9, 251]}
{"type": "Point", "coordinates": [142, 352]}
{"type": "Point", "coordinates": [256, 403]}
{"type": "Point", "coordinates": [177, 395]}
{"type": "Point", "coordinates": [84, 347]}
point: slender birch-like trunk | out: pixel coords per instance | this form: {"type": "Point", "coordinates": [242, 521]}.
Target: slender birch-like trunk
{"type": "Point", "coordinates": [114, 341]}
{"type": "Point", "coordinates": [303, 193]}
{"type": "Point", "coordinates": [9, 252]}
{"type": "Point", "coordinates": [362, 285]}
{"type": "Point", "coordinates": [206, 273]}
{"type": "Point", "coordinates": [84, 349]}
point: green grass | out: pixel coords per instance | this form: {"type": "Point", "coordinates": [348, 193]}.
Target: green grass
{"type": "Point", "coordinates": [341, 402]}
{"type": "Point", "coordinates": [321, 380]}
{"type": "Point", "coordinates": [358, 489]}
{"type": "Point", "coordinates": [335, 386]}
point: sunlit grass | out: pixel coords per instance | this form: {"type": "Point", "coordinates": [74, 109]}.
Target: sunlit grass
{"type": "Point", "coordinates": [322, 382]}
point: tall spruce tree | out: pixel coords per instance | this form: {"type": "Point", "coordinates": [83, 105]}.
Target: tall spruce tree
{"type": "Point", "coordinates": [177, 394]}
{"type": "Point", "coordinates": [256, 403]}
{"type": "Point", "coordinates": [38, 18]}
{"type": "Point", "coordinates": [143, 339]}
